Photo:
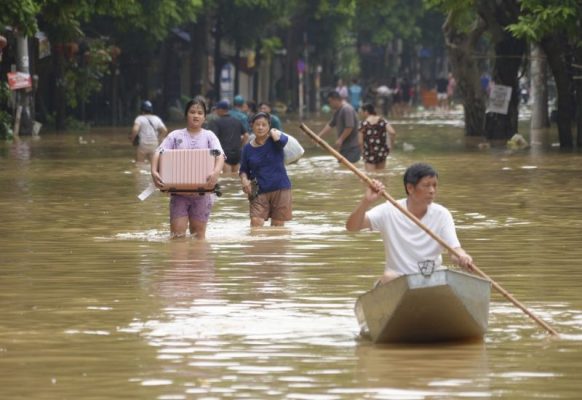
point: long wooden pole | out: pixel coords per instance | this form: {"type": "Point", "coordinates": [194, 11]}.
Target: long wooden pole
{"type": "Point", "coordinates": [451, 250]}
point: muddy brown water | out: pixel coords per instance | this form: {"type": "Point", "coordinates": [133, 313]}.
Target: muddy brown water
{"type": "Point", "coordinates": [97, 303]}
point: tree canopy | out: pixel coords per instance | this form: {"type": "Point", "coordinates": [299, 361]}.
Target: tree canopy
{"type": "Point", "coordinates": [373, 39]}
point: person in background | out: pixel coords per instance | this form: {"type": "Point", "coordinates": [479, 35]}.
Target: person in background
{"type": "Point", "coordinates": [190, 210]}
{"type": "Point", "coordinates": [524, 89]}
{"type": "Point", "coordinates": [231, 134]}
{"type": "Point", "coordinates": [342, 89]}
{"type": "Point", "coordinates": [146, 131]}
{"type": "Point", "coordinates": [238, 105]}
{"type": "Point", "coordinates": [441, 89]}
{"type": "Point", "coordinates": [406, 96]}
{"type": "Point", "coordinates": [385, 95]}
{"type": "Point", "coordinates": [451, 86]}
{"type": "Point", "coordinates": [212, 114]}
{"type": "Point", "coordinates": [345, 120]}
{"type": "Point", "coordinates": [263, 175]}
{"type": "Point", "coordinates": [355, 91]}
{"type": "Point", "coordinates": [396, 92]}
{"type": "Point", "coordinates": [376, 138]}
{"type": "Point", "coordinates": [275, 121]}
{"type": "Point", "coordinates": [250, 108]}
{"type": "Point", "coordinates": [485, 81]}
{"type": "Point", "coordinates": [407, 246]}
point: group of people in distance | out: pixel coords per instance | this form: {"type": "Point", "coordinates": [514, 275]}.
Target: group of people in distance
{"type": "Point", "coordinates": [254, 149]}
{"type": "Point", "coordinates": [262, 166]}
{"type": "Point", "coordinates": [374, 138]}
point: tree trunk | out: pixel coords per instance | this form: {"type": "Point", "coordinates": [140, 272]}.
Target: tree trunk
{"type": "Point", "coordinates": [461, 45]}
{"type": "Point", "coordinates": [539, 89]}
{"type": "Point", "coordinates": [509, 55]}
{"type": "Point", "coordinates": [25, 96]}
{"type": "Point", "coordinates": [555, 47]}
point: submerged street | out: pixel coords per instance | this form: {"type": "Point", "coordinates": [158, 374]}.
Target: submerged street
{"type": "Point", "coordinates": [97, 302]}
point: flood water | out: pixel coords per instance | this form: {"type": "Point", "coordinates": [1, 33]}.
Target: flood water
{"type": "Point", "coordinates": [97, 303]}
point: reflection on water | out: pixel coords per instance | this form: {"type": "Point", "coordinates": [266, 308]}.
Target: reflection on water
{"type": "Point", "coordinates": [95, 295]}
{"type": "Point", "coordinates": [418, 372]}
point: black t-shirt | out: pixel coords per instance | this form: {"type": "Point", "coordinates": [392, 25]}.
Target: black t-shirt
{"type": "Point", "coordinates": [441, 85]}
{"type": "Point", "coordinates": [229, 131]}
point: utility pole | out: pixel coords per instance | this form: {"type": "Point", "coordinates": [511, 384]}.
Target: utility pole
{"type": "Point", "coordinates": [539, 90]}
{"type": "Point", "coordinates": [23, 96]}
{"type": "Point", "coordinates": [318, 70]}
{"type": "Point", "coordinates": [300, 72]}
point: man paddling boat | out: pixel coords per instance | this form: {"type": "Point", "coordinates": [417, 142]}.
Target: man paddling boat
{"type": "Point", "coordinates": [408, 248]}
{"type": "Point", "coordinates": [358, 222]}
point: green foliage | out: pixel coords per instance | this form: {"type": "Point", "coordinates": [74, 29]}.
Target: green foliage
{"type": "Point", "coordinates": [381, 21]}
{"type": "Point", "coordinates": [270, 45]}
{"type": "Point", "coordinates": [5, 117]}
{"type": "Point", "coordinates": [348, 59]}
{"type": "Point", "coordinates": [155, 18]}
{"type": "Point", "coordinates": [540, 18]}
{"type": "Point", "coordinates": [83, 75]}
{"type": "Point", "coordinates": [450, 5]}
{"type": "Point", "coordinates": [244, 22]}
{"type": "Point", "coordinates": [71, 123]}
{"type": "Point", "coordinates": [68, 21]}
{"type": "Point", "coordinates": [61, 19]}
{"type": "Point", "coordinates": [327, 23]}
{"type": "Point", "coordinates": [462, 13]}
{"type": "Point", "coordinates": [20, 14]}
{"type": "Point", "coordinates": [340, 8]}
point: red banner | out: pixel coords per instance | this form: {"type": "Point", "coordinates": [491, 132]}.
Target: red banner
{"type": "Point", "coordinates": [19, 80]}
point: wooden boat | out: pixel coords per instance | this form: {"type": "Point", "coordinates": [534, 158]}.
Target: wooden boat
{"type": "Point", "coordinates": [443, 306]}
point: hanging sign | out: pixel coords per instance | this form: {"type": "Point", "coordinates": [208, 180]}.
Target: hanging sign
{"type": "Point", "coordinates": [19, 80]}
{"type": "Point", "coordinates": [499, 98]}
{"type": "Point", "coordinates": [44, 46]}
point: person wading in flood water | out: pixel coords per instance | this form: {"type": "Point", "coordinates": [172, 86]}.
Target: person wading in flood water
{"type": "Point", "coordinates": [376, 137]}
{"type": "Point", "coordinates": [263, 162]}
{"type": "Point", "coordinates": [345, 120]}
{"type": "Point", "coordinates": [146, 131]}
{"type": "Point", "coordinates": [190, 210]}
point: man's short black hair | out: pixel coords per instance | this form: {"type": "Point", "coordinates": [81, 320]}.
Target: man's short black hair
{"type": "Point", "coordinates": [416, 172]}
{"type": "Point", "coordinates": [334, 94]}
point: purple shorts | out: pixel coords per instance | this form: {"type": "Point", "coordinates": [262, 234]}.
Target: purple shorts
{"type": "Point", "coordinates": [194, 207]}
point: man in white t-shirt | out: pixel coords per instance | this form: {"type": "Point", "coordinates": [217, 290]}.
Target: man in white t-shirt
{"type": "Point", "coordinates": [146, 132]}
{"type": "Point", "coordinates": [408, 248]}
